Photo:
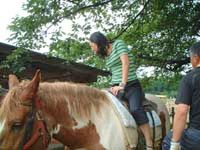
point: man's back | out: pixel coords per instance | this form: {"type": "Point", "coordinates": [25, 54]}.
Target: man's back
{"type": "Point", "coordinates": [188, 100]}
{"type": "Point", "coordinates": [189, 93]}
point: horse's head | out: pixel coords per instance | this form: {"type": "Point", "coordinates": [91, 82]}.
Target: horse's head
{"type": "Point", "coordinates": [17, 114]}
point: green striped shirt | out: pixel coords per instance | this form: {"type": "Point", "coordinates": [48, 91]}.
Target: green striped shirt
{"type": "Point", "coordinates": [113, 62]}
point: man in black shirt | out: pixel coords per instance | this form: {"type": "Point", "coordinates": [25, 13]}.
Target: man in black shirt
{"type": "Point", "coordinates": [188, 100]}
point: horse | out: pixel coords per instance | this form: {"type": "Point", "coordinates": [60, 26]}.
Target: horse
{"type": "Point", "coordinates": [78, 116]}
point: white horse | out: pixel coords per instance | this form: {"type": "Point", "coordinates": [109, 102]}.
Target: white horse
{"type": "Point", "coordinates": [78, 116]}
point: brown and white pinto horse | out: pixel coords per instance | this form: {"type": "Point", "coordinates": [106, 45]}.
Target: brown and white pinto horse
{"type": "Point", "coordinates": [78, 116]}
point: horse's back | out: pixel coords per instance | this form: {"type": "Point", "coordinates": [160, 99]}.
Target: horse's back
{"type": "Point", "coordinates": [160, 108]}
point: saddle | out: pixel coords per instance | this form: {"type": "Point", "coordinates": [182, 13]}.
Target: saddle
{"type": "Point", "coordinates": [121, 108]}
{"type": "Point", "coordinates": [147, 104]}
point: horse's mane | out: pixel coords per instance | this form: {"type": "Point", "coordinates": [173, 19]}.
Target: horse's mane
{"type": "Point", "coordinates": [78, 98]}
{"type": "Point", "coordinates": [10, 100]}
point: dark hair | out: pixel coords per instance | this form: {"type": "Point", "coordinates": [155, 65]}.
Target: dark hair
{"type": "Point", "coordinates": [195, 49]}
{"type": "Point", "coordinates": [102, 43]}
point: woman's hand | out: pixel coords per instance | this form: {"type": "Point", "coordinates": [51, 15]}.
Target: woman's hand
{"type": "Point", "coordinates": [115, 89]}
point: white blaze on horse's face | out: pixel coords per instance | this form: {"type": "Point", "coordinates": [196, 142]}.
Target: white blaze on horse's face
{"type": "Point", "coordinates": [2, 125]}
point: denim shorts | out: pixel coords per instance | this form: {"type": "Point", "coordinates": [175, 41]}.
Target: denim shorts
{"type": "Point", "coordinates": [134, 94]}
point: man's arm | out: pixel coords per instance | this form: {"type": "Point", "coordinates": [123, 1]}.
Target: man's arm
{"type": "Point", "coordinates": [179, 121]}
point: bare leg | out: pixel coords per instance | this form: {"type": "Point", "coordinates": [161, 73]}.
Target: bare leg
{"type": "Point", "coordinates": [145, 128]}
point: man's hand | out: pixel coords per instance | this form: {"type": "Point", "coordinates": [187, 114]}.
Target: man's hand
{"type": "Point", "coordinates": [175, 145]}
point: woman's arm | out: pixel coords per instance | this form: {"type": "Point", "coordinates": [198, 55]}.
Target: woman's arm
{"type": "Point", "coordinates": [125, 67]}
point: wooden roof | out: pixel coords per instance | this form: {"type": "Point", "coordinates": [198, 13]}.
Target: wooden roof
{"type": "Point", "coordinates": [52, 68]}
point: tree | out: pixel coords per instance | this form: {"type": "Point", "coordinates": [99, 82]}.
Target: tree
{"type": "Point", "coordinates": [166, 85]}
{"type": "Point", "coordinates": [159, 31]}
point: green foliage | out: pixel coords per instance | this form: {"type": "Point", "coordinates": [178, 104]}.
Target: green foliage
{"type": "Point", "coordinates": [102, 82]}
{"type": "Point", "coordinates": [74, 50]}
{"type": "Point", "coordinates": [69, 49]}
{"type": "Point", "coordinates": [159, 31]}
{"type": "Point", "coordinates": [15, 62]}
{"type": "Point", "coordinates": [161, 38]}
{"type": "Point", "coordinates": [167, 85]}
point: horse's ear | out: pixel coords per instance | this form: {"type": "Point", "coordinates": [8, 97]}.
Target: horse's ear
{"type": "Point", "coordinates": [31, 90]}
{"type": "Point", "coordinates": [12, 81]}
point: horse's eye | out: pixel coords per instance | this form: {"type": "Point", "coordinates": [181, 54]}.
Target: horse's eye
{"type": "Point", "coordinates": [16, 126]}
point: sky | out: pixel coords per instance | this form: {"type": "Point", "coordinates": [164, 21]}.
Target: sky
{"type": "Point", "coordinates": [8, 10]}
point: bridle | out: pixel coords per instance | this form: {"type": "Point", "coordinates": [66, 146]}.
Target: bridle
{"type": "Point", "coordinates": [35, 117]}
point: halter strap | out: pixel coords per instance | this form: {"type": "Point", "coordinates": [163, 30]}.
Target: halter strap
{"type": "Point", "coordinates": [41, 130]}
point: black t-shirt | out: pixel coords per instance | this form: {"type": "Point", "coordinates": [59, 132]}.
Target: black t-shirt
{"type": "Point", "coordinates": [189, 93]}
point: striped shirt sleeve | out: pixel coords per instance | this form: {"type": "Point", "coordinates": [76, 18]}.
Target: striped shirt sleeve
{"type": "Point", "coordinates": [121, 48]}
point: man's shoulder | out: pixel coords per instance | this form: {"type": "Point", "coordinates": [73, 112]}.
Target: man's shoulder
{"type": "Point", "coordinates": [191, 72]}
{"type": "Point", "coordinates": [191, 76]}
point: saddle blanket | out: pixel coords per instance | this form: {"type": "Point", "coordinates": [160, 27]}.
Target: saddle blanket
{"type": "Point", "coordinates": [126, 117]}
{"type": "Point", "coordinates": [124, 114]}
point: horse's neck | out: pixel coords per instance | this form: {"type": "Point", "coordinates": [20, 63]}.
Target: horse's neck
{"type": "Point", "coordinates": [56, 111]}
{"type": "Point", "coordinates": [84, 137]}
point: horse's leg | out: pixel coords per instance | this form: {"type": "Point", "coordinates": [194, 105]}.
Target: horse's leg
{"type": "Point", "coordinates": [163, 127]}
{"type": "Point", "coordinates": [163, 122]}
